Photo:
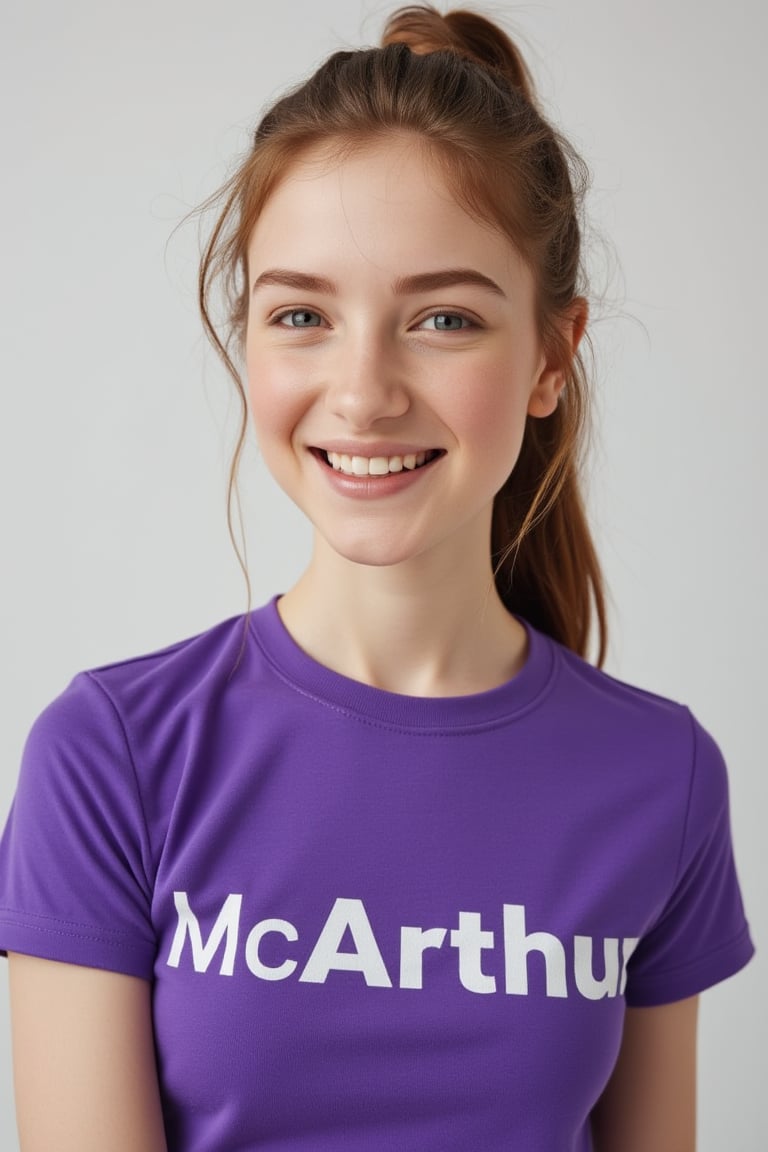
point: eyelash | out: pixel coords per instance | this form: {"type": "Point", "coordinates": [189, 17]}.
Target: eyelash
{"type": "Point", "coordinates": [468, 321]}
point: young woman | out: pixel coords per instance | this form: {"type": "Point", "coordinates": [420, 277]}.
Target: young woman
{"type": "Point", "coordinates": [384, 863]}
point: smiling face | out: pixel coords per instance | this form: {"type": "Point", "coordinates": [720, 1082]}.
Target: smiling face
{"type": "Point", "coordinates": [392, 355]}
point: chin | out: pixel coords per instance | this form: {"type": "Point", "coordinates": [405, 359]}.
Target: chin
{"type": "Point", "coordinates": [374, 556]}
{"type": "Point", "coordinates": [375, 552]}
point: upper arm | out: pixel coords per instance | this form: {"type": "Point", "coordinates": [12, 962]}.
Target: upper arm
{"type": "Point", "coordinates": [83, 1059]}
{"type": "Point", "coordinates": [650, 1100]}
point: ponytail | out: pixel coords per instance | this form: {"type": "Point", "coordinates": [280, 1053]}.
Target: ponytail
{"type": "Point", "coordinates": [460, 84]}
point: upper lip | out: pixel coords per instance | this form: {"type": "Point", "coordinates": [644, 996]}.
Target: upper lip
{"type": "Point", "coordinates": [369, 450]}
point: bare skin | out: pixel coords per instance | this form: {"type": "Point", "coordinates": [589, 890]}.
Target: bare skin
{"type": "Point", "coordinates": [399, 592]}
{"type": "Point", "coordinates": [83, 1059]}
{"type": "Point", "coordinates": [85, 1075]}
{"type": "Point", "coordinates": [649, 1104]}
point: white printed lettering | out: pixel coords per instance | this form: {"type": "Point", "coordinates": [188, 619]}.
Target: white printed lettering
{"type": "Point", "coordinates": [413, 944]}
{"type": "Point", "coordinates": [628, 946]}
{"type": "Point", "coordinates": [586, 983]}
{"type": "Point", "coordinates": [470, 940]}
{"type": "Point", "coordinates": [366, 959]}
{"type": "Point", "coordinates": [252, 958]}
{"type": "Point", "coordinates": [227, 923]}
{"type": "Point", "coordinates": [517, 946]}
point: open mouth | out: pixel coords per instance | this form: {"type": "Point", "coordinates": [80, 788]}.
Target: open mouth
{"type": "Point", "coordinates": [377, 465]}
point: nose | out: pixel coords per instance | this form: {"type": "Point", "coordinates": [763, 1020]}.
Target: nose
{"type": "Point", "coordinates": [366, 382]}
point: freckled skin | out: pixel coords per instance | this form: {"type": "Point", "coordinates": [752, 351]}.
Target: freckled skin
{"type": "Point", "coordinates": [367, 364]}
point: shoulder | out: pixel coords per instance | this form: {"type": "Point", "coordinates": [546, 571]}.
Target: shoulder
{"type": "Point", "coordinates": [611, 689]}
{"type": "Point", "coordinates": [103, 767]}
{"type": "Point", "coordinates": [657, 790]}
{"type": "Point", "coordinates": [179, 668]}
{"type": "Point", "coordinates": [651, 748]}
{"type": "Point", "coordinates": [624, 713]}
{"type": "Point", "coordinates": [162, 679]}
{"type": "Point", "coordinates": [118, 722]}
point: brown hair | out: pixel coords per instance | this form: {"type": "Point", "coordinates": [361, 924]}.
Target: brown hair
{"type": "Point", "coordinates": [460, 84]}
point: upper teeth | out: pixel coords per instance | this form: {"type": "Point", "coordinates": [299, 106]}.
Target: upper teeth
{"type": "Point", "coordinates": [374, 465]}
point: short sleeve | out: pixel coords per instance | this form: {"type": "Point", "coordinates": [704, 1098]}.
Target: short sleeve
{"type": "Point", "coordinates": [701, 936]}
{"type": "Point", "coordinates": [75, 867]}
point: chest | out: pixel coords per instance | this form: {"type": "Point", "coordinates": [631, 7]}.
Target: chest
{"type": "Point", "coordinates": [353, 943]}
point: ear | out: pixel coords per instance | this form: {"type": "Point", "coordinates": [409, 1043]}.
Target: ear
{"type": "Point", "coordinates": [551, 376]}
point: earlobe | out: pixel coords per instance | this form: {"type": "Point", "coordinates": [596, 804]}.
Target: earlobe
{"type": "Point", "coordinates": [545, 395]}
{"type": "Point", "coordinates": [551, 381]}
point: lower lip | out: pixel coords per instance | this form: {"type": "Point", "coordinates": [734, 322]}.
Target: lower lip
{"type": "Point", "coordinates": [374, 487]}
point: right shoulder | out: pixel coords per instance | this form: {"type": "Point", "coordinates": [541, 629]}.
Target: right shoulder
{"type": "Point", "coordinates": [119, 708]}
{"type": "Point", "coordinates": [176, 670]}
{"type": "Point", "coordinates": [104, 768]}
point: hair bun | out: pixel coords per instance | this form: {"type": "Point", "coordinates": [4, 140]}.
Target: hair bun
{"type": "Point", "coordinates": [468, 34]}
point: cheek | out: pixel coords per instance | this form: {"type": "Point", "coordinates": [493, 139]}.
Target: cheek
{"type": "Point", "coordinates": [275, 400]}
{"type": "Point", "coordinates": [491, 411]}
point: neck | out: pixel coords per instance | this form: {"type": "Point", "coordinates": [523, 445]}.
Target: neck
{"type": "Point", "coordinates": [431, 626]}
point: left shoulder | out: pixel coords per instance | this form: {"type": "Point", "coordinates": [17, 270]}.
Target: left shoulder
{"type": "Point", "coordinates": [625, 714]}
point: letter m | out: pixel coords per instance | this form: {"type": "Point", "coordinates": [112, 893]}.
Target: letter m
{"type": "Point", "coordinates": [227, 925]}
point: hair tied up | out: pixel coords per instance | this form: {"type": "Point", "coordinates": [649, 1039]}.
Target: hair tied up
{"type": "Point", "coordinates": [460, 85]}
{"type": "Point", "coordinates": [423, 29]}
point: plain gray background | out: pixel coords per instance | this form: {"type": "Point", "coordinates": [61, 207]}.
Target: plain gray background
{"type": "Point", "coordinates": [117, 425]}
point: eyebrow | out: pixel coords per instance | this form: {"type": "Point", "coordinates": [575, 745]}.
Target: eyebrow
{"type": "Point", "coordinates": [403, 286]}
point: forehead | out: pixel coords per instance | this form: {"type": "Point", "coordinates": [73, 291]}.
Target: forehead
{"type": "Point", "coordinates": [387, 202]}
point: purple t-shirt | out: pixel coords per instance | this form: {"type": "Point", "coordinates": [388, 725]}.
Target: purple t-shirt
{"type": "Point", "coordinates": [371, 920]}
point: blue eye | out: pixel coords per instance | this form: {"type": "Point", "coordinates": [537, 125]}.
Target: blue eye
{"type": "Point", "coordinates": [300, 318]}
{"type": "Point", "coordinates": [449, 321]}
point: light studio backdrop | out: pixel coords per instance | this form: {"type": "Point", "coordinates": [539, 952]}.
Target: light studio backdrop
{"type": "Point", "coordinates": [117, 425]}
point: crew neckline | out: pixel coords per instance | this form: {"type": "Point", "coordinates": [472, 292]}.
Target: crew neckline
{"type": "Point", "coordinates": [377, 705]}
